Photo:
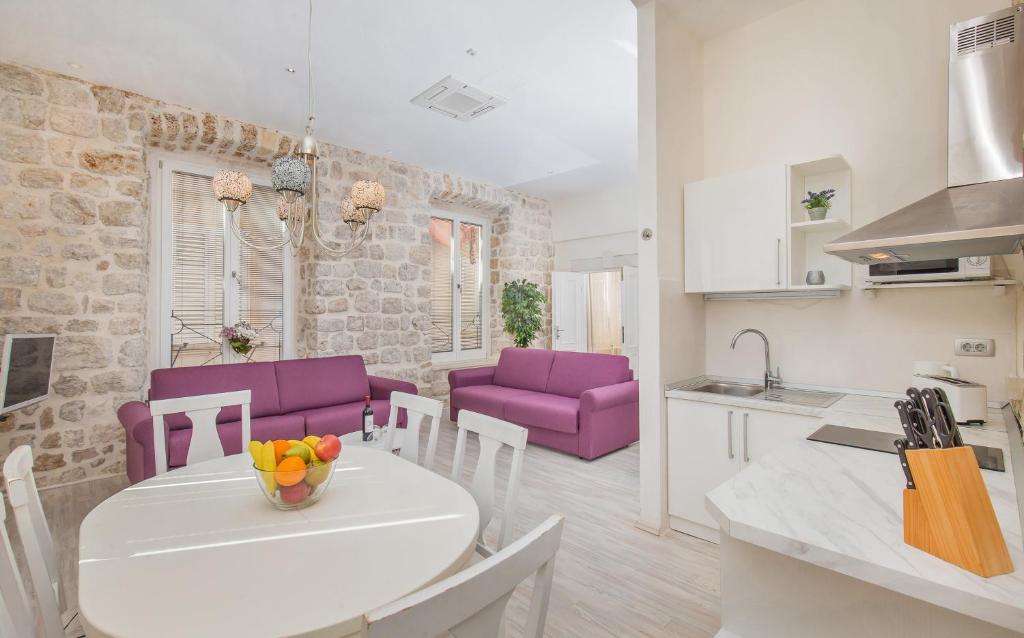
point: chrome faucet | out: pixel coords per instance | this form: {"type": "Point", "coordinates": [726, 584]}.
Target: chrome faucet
{"type": "Point", "coordinates": [770, 380]}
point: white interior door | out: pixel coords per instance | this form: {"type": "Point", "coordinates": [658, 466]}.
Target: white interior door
{"type": "Point", "coordinates": [569, 311]}
{"type": "Point", "coordinates": [631, 316]}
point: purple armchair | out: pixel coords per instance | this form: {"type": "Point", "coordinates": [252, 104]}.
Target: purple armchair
{"type": "Point", "coordinates": [290, 399]}
{"type": "Point", "coordinates": [583, 403]}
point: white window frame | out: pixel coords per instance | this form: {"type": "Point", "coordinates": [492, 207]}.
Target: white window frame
{"type": "Point", "coordinates": [457, 353]}
{"type": "Point", "coordinates": [161, 258]}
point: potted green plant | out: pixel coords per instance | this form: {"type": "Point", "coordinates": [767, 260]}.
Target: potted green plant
{"type": "Point", "coordinates": [240, 337]}
{"type": "Point", "coordinates": [522, 308]}
{"type": "Point", "coordinates": [817, 204]}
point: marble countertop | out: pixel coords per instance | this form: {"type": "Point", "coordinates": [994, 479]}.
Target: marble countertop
{"type": "Point", "coordinates": [842, 509]}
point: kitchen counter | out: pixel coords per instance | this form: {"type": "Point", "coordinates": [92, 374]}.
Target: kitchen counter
{"type": "Point", "coordinates": [816, 520]}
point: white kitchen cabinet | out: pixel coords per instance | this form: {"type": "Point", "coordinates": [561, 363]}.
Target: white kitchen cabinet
{"type": "Point", "coordinates": [736, 232]}
{"type": "Point", "coordinates": [708, 444]}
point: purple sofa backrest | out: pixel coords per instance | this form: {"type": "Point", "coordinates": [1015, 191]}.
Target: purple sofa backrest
{"type": "Point", "coordinates": [304, 384]}
{"type": "Point", "coordinates": [171, 383]}
{"type": "Point", "coordinates": [572, 373]}
{"type": "Point", "coordinates": [524, 368]}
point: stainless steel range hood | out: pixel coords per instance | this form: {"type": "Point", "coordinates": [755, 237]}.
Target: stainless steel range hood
{"type": "Point", "coordinates": [982, 210]}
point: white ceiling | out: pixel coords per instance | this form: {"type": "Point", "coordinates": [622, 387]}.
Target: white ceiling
{"type": "Point", "coordinates": [567, 69]}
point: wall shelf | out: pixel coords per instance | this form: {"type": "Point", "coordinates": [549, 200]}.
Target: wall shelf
{"type": "Point", "coordinates": [834, 225]}
{"type": "Point", "coordinates": [998, 285]}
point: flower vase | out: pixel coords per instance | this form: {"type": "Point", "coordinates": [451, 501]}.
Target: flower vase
{"type": "Point", "coordinates": [817, 214]}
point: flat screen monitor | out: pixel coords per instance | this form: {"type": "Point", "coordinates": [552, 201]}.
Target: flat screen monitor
{"type": "Point", "coordinates": [25, 370]}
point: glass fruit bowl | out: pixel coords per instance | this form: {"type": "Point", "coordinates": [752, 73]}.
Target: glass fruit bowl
{"type": "Point", "coordinates": [298, 477]}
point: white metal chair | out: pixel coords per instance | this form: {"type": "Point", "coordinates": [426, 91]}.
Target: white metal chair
{"type": "Point", "coordinates": [16, 618]}
{"type": "Point", "coordinates": [471, 604]}
{"type": "Point", "coordinates": [38, 545]}
{"type": "Point", "coordinates": [492, 433]}
{"type": "Point", "coordinates": [418, 410]}
{"type": "Point", "coordinates": [202, 410]}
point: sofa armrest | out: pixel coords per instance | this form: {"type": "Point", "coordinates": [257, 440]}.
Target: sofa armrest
{"type": "Point", "coordinates": [131, 415]}
{"type": "Point", "coordinates": [610, 396]}
{"type": "Point", "coordinates": [381, 387]}
{"type": "Point", "coordinates": [470, 376]}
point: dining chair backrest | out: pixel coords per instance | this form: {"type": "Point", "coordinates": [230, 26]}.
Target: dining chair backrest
{"type": "Point", "coordinates": [471, 604]}
{"type": "Point", "coordinates": [35, 539]}
{"type": "Point", "coordinates": [15, 613]}
{"type": "Point", "coordinates": [492, 434]}
{"type": "Point", "coordinates": [202, 410]}
{"type": "Point", "coordinates": [418, 409]}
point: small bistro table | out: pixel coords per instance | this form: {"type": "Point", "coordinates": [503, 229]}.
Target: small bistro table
{"type": "Point", "coordinates": [200, 552]}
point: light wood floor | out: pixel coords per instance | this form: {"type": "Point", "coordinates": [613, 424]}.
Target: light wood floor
{"type": "Point", "coordinates": [611, 579]}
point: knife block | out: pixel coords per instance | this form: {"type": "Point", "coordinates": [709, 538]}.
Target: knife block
{"type": "Point", "coordinates": [950, 515]}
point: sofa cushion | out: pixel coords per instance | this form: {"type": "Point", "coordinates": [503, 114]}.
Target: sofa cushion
{"type": "Point", "coordinates": [342, 419]}
{"type": "Point", "coordinates": [171, 383]}
{"type": "Point", "coordinates": [524, 368]}
{"type": "Point", "coordinates": [304, 384]}
{"type": "Point", "coordinates": [573, 373]}
{"type": "Point", "coordinates": [287, 426]}
{"type": "Point", "coordinates": [485, 399]}
{"type": "Point", "coordinates": [548, 411]}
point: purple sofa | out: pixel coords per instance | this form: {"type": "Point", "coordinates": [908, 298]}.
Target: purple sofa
{"type": "Point", "coordinates": [290, 399]}
{"type": "Point", "coordinates": [584, 403]}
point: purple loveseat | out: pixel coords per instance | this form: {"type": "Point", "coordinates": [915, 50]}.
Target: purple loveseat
{"type": "Point", "coordinates": [584, 403]}
{"type": "Point", "coordinates": [290, 399]}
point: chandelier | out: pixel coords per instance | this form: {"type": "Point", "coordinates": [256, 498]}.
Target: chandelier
{"type": "Point", "coordinates": [294, 178]}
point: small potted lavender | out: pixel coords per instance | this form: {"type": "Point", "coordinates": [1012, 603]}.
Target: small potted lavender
{"type": "Point", "coordinates": [240, 337]}
{"type": "Point", "coordinates": [817, 204]}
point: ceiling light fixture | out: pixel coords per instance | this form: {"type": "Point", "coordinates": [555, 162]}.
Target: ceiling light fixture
{"type": "Point", "coordinates": [289, 69]}
{"type": "Point", "coordinates": [294, 178]}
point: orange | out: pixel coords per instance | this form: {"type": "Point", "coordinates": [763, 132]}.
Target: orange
{"type": "Point", "coordinates": [290, 470]}
{"type": "Point", "coordinates": [280, 447]}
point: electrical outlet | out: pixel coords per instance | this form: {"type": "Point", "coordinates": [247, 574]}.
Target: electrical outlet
{"type": "Point", "coordinates": [974, 347]}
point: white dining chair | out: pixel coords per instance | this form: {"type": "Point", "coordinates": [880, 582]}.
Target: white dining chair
{"type": "Point", "coordinates": [16, 618]}
{"type": "Point", "coordinates": [418, 410]}
{"type": "Point", "coordinates": [57, 622]}
{"type": "Point", "coordinates": [471, 604]}
{"type": "Point", "coordinates": [202, 410]}
{"type": "Point", "coordinates": [492, 434]}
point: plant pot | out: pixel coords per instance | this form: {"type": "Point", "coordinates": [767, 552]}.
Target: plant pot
{"type": "Point", "coordinates": [817, 214]}
{"type": "Point", "coordinates": [815, 278]}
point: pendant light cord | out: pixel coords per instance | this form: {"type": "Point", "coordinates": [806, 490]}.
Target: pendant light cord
{"type": "Point", "coordinates": [309, 67]}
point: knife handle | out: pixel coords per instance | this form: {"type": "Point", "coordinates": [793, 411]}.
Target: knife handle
{"type": "Point", "coordinates": [901, 451]}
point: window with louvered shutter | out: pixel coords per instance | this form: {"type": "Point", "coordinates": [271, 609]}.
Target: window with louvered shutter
{"type": "Point", "coordinates": [459, 275]}
{"type": "Point", "coordinates": [205, 256]}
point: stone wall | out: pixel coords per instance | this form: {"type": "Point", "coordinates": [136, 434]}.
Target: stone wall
{"type": "Point", "coordinates": [74, 254]}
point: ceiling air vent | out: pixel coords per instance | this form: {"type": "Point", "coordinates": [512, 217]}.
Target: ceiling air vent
{"type": "Point", "coordinates": [985, 35]}
{"type": "Point", "coordinates": [457, 100]}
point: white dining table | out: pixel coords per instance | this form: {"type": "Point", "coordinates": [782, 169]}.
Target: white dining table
{"type": "Point", "coordinates": [199, 551]}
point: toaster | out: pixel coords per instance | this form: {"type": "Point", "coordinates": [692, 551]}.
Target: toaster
{"type": "Point", "coordinates": [968, 400]}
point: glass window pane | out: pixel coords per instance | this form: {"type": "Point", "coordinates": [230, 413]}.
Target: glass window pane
{"type": "Point", "coordinates": [261, 274]}
{"type": "Point", "coordinates": [197, 271]}
{"type": "Point", "coordinates": [471, 272]}
{"type": "Point", "coordinates": [441, 293]}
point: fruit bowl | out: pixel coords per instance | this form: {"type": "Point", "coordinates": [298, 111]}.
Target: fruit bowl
{"type": "Point", "coordinates": [294, 474]}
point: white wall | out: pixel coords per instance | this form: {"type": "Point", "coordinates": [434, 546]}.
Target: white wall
{"type": "Point", "coordinates": [598, 223]}
{"type": "Point", "coordinates": [671, 323]}
{"type": "Point", "coordinates": [867, 79]}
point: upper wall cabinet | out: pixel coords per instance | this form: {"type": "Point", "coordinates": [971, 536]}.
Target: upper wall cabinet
{"type": "Point", "coordinates": [736, 231]}
{"type": "Point", "coordinates": [748, 232]}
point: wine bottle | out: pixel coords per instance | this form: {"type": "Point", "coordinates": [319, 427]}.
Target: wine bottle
{"type": "Point", "coordinates": [367, 421]}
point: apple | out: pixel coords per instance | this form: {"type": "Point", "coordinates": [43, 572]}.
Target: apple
{"type": "Point", "coordinates": [294, 494]}
{"type": "Point", "coordinates": [328, 448]}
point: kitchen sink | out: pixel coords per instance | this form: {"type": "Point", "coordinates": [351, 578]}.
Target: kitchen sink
{"type": "Point", "coordinates": [731, 389]}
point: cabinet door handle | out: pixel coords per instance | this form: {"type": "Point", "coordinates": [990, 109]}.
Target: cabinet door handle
{"type": "Point", "coordinates": [728, 432]}
{"type": "Point", "coordinates": [746, 444]}
{"type": "Point", "coordinates": [778, 263]}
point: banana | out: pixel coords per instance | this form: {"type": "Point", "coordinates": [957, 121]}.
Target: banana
{"type": "Point", "coordinates": [256, 452]}
{"type": "Point", "coordinates": [268, 465]}
{"type": "Point", "coordinates": [311, 441]}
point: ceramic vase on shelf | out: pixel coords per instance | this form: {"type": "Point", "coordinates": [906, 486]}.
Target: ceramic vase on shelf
{"type": "Point", "coordinates": [817, 214]}
{"type": "Point", "coordinates": [815, 278]}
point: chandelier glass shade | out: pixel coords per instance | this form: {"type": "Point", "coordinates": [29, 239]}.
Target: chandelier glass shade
{"type": "Point", "coordinates": [294, 178]}
{"type": "Point", "coordinates": [291, 177]}
{"type": "Point", "coordinates": [232, 189]}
